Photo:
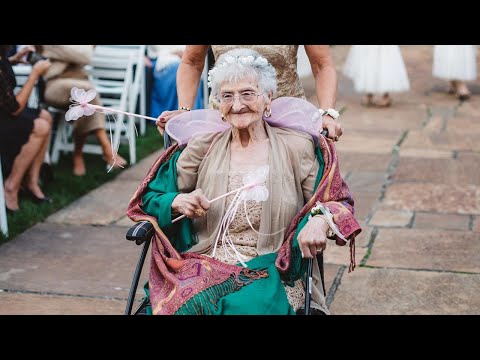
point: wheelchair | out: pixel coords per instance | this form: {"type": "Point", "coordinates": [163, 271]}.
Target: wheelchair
{"type": "Point", "coordinates": [143, 232]}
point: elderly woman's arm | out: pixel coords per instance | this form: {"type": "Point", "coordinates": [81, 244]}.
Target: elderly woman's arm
{"type": "Point", "coordinates": [338, 201]}
{"type": "Point", "coordinates": [173, 191]}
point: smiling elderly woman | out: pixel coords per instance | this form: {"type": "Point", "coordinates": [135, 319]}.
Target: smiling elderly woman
{"type": "Point", "coordinates": [250, 259]}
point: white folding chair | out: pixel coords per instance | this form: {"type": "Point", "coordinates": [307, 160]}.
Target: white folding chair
{"type": "Point", "coordinates": [3, 209]}
{"type": "Point", "coordinates": [137, 90]}
{"type": "Point", "coordinates": [112, 79]}
{"type": "Point", "coordinates": [22, 72]}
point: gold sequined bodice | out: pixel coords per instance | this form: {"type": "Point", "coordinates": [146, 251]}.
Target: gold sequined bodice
{"type": "Point", "coordinates": [284, 60]}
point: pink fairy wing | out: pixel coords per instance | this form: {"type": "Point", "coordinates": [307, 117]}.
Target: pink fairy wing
{"type": "Point", "coordinates": [77, 94]}
{"type": "Point", "coordinates": [188, 124]}
{"type": "Point", "coordinates": [88, 110]}
{"type": "Point", "coordinates": [297, 114]}
{"type": "Point", "coordinates": [89, 96]}
{"type": "Point", "coordinates": [74, 113]}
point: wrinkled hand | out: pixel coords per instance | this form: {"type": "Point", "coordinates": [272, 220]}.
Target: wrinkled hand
{"type": "Point", "coordinates": [335, 130]}
{"type": "Point", "coordinates": [41, 67]}
{"type": "Point", "coordinates": [192, 205]}
{"type": "Point", "coordinates": [164, 117]}
{"type": "Point", "coordinates": [313, 237]}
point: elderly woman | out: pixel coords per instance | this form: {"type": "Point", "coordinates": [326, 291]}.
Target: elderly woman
{"type": "Point", "coordinates": [196, 270]}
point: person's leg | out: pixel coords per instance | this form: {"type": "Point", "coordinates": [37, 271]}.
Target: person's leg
{"type": "Point", "coordinates": [368, 99]}
{"type": "Point", "coordinates": [41, 129]}
{"type": "Point", "coordinates": [78, 162]}
{"type": "Point", "coordinates": [452, 87]}
{"type": "Point", "coordinates": [34, 170]}
{"type": "Point", "coordinates": [108, 154]}
{"type": "Point", "coordinates": [462, 91]}
{"type": "Point", "coordinates": [385, 101]}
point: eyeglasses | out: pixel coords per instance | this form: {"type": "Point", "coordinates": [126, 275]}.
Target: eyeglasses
{"type": "Point", "coordinates": [245, 97]}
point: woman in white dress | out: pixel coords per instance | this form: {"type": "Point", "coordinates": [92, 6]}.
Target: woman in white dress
{"type": "Point", "coordinates": [457, 64]}
{"type": "Point", "coordinates": [376, 69]}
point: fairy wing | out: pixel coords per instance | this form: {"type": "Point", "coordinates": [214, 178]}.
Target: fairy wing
{"type": "Point", "coordinates": [188, 124]}
{"type": "Point", "coordinates": [287, 112]}
{"type": "Point", "coordinates": [297, 114]}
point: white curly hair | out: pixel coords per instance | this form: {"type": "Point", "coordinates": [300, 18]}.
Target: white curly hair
{"type": "Point", "coordinates": [242, 63]}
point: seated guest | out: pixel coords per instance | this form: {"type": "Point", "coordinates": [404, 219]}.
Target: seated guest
{"type": "Point", "coordinates": [24, 131]}
{"type": "Point", "coordinates": [67, 71]}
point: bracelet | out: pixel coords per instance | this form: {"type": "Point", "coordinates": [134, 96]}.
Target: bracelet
{"type": "Point", "coordinates": [334, 114]}
{"type": "Point", "coordinates": [316, 211]}
{"type": "Point", "coordinates": [184, 108]}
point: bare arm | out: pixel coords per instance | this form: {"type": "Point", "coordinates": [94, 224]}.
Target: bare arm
{"type": "Point", "coordinates": [189, 74]}
{"type": "Point", "coordinates": [22, 97]}
{"type": "Point", "coordinates": [188, 78]}
{"type": "Point", "coordinates": [326, 83]}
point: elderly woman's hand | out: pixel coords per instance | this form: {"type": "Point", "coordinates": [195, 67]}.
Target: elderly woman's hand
{"type": "Point", "coordinates": [334, 128]}
{"type": "Point", "coordinates": [192, 205]}
{"type": "Point", "coordinates": [313, 237]}
{"type": "Point", "coordinates": [164, 117]}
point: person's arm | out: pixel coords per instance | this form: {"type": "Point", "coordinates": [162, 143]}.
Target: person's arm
{"type": "Point", "coordinates": [188, 79]}
{"type": "Point", "coordinates": [189, 74]}
{"type": "Point", "coordinates": [22, 97]}
{"type": "Point", "coordinates": [326, 83]}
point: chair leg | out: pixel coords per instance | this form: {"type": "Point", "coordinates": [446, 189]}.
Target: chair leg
{"type": "Point", "coordinates": [308, 286]}
{"type": "Point", "coordinates": [136, 278]}
{"type": "Point", "coordinates": [57, 143]}
{"type": "Point", "coordinates": [3, 211]}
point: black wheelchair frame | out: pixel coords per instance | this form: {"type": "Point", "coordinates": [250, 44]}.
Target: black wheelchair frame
{"type": "Point", "coordinates": [143, 232]}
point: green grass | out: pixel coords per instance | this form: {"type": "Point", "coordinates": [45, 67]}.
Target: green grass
{"type": "Point", "coordinates": [65, 188]}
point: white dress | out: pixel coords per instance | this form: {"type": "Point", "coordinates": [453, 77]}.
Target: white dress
{"type": "Point", "coordinates": [376, 69]}
{"type": "Point", "coordinates": [455, 62]}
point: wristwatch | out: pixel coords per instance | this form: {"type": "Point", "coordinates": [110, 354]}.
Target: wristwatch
{"type": "Point", "coordinates": [334, 114]}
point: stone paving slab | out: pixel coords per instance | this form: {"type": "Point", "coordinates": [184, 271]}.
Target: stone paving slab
{"type": "Point", "coordinates": [441, 171]}
{"type": "Point", "coordinates": [140, 169]}
{"type": "Point", "coordinates": [391, 218]}
{"type": "Point", "coordinates": [367, 291]}
{"type": "Point", "coordinates": [425, 153]}
{"type": "Point", "coordinates": [364, 143]}
{"type": "Point", "coordinates": [365, 181]}
{"type": "Point", "coordinates": [340, 255]}
{"type": "Point", "coordinates": [102, 206]}
{"type": "Point", "coordinates": [426, 249]}
{"type": "Point", "coordinates": [427, 197]}
{"type": "Point", "coordinates": [464, 125]}
{"type": "Point", "coordinates": [33, 304]}
{"type": "Point", "coordinates": [330, 272]}
{"type": "Point", "coordinates": [348, 162]}
{"type": "Point", "coordinates": [470, 109]}
{"type": "Point", "coordinates": [442, 141]}
{"type": "Point", "coordinates": [476, 224]}
{"type": "Point", "coordinates": [72, 260]}
{"type": "Point", "coordinates": [441, 221]}
{"type": "Point", "coordinates": [403, 116]}
{"type": "Point", "coordinates": [364, 201]}
{"type": "Point", "coordinates": [363, 238]}
{"type": "Point", "coordinates": [125, 221]}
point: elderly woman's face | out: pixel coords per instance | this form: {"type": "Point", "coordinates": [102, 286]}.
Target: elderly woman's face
{"type": "Point", "coordinates": [242, 103]}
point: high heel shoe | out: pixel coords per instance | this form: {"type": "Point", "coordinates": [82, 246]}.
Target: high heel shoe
{"type": "Point", "coordinates": [35, 198]}
{"type": "Point", "coordinates": [11, 211]}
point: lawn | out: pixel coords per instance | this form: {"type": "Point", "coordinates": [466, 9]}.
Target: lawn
{"type": "Point", "coordinates": [65, 188]}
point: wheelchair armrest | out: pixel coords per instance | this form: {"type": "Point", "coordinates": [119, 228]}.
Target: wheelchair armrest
{"type": "Point", "coordinates": [140, 232]}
